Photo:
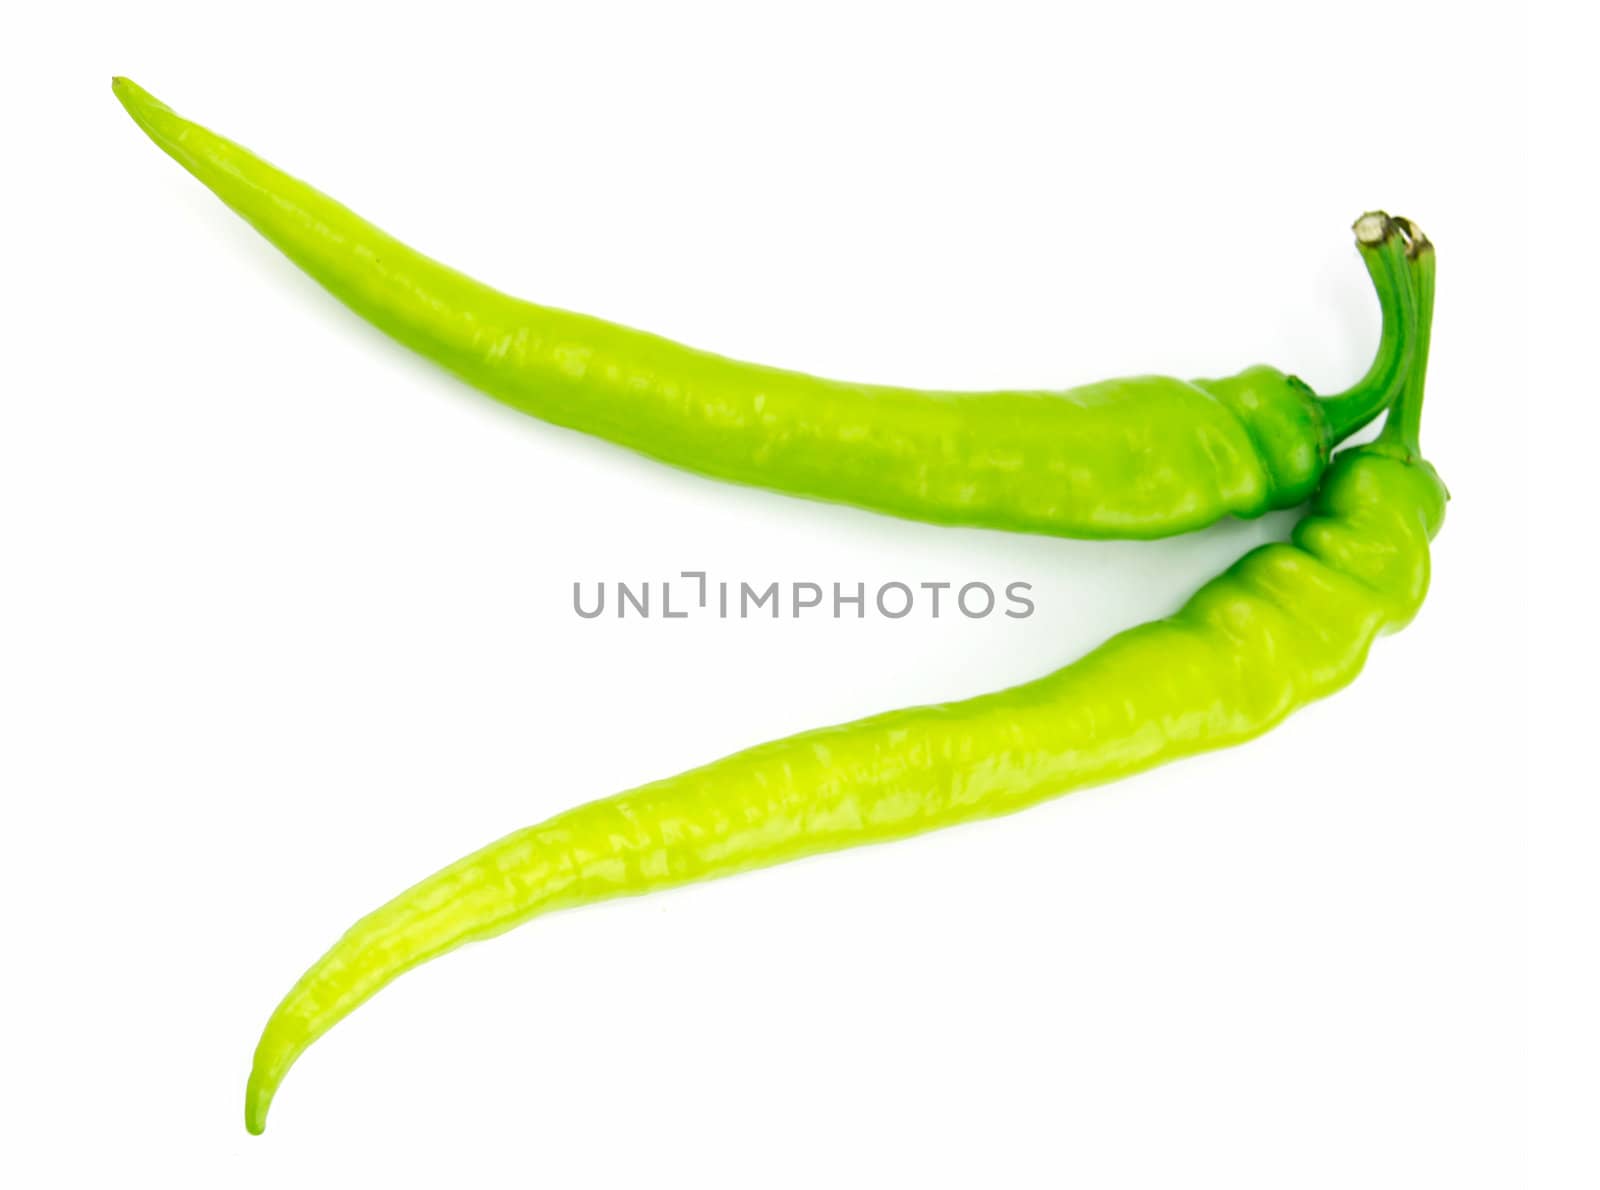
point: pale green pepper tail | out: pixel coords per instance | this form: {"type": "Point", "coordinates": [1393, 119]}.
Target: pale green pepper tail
{"type": "Point", "coordinates": [275, 1053]}
{"type": "Point", "coordinates": [139, 102]}
{"type": "Point", "coordinates": [257, 1099]}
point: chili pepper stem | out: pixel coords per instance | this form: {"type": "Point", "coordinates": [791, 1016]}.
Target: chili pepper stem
{"type": "Point", "coordinates": [1382, 244]}
{"type": "Point", "coordinates": [1404, 426]}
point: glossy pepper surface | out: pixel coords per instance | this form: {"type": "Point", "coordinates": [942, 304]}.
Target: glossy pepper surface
{"type": "Point", "coordinates": [1141, 457]}
{"type": "Point", "coordinates": [1287, 624]}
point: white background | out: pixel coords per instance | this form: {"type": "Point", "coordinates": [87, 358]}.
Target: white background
{"type": "Point", "coordinates": [285, 621]}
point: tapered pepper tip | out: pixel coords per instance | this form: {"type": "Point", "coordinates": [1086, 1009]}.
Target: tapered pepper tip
{"type": "Point", "coordinates": [257, 1099]}
{"type": "Point", "coordinates": [135, 98]}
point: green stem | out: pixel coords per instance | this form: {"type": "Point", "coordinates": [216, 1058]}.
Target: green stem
{"type": "Point", "coordinates": [1382, 245]}
{"type": "Point", "coordinates": [1404, 426]}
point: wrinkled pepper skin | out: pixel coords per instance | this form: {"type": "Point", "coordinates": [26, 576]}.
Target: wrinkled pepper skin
{"type": "Point", "coordinates": [1142, 457]}
{"type": "Point", "coordinates": [1287, 624]}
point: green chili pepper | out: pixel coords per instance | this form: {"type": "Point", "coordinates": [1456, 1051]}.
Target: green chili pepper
{"type": "Point", "coordinates": [1142, 457]}
{"type": "Point", "coordinates": [1287, 624]}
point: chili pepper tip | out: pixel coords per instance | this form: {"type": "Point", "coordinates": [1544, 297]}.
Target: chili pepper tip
{"type": "Point", "coordinates": [138, 102]}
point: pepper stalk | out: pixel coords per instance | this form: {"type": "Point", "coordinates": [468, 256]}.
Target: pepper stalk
{"type": "Point", "coordinates": [1404, 426]}
{"type": "Point", "coordinates": [1382, 242]}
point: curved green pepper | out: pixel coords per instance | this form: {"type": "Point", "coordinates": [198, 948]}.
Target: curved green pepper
{"type": "Point", "coordinates": [1287, 624]}
{"type": "Point", "coordinates": [1141, 457]}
